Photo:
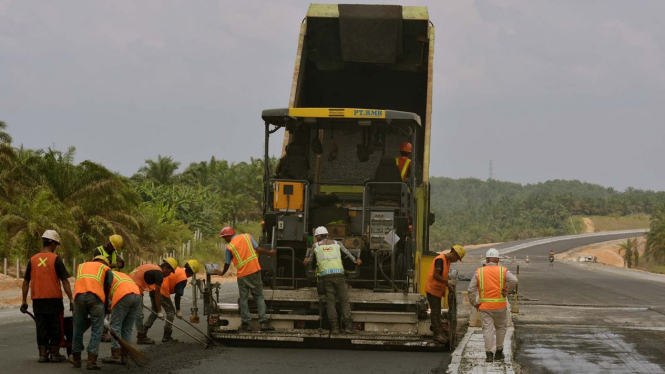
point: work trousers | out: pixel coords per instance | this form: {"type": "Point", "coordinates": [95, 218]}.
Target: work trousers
{"type": "Point", "coordinates": [435, 313]}
{"type": "Point", "coordinates": [253, 284]}
{"type": "Point", "coordinates": [123, 317]}
{"type": "Point", "coordinates": [495, 324]}
{"type": "Point", "coordinates": [88, 304]}
{"type": "Point", "coordinates": [49, 329]}
{"type": "Point", "coordinates": [336, 288]}
{"type": "Point", "coordinates": [169, 311]}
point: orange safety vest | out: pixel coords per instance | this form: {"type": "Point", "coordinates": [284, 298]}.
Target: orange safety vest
{"type": "Point", "coordinates": [138, 276]}
{"type": "Point", "coordinates": [168, 287]}
{"type": "Point", "coordinates": [44, 281]}
{"type": "Point", "coordinates": [245, 259]}
{"type": "Point", "coordinates": [433, 286]}
{"type": "Point", "coordinates": [122, 286]}
{"type": "Point", "coordinates": [491, 282]}
{"type": "Point", "coordinates": [403, 164]}
{"type": "Point", "coordinates": [90, 278]}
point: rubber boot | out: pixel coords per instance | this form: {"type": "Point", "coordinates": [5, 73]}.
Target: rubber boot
{"type": "Point", "coordinates": [56, 356]}
{"type": "Point", "coordinates": [348, 327]}
{"type": "Point", "coordinates": [92, 362]}
{"type": "Point", "coordinates": [167, 338]}
{"type": "Point", "coordinates": [75, 359]}
{"type": "Point", "coordinates": [490, 357]}
{"type": "Point", "coordinates": [43, 354]}
{"type": "Point", "coordinates": [115, 357]}
{"type": "Point", "coordinates": [143, 339]}
{"type": "Point", "coordinates": [439, 337]}
{"type": "Point", "coordinates": [334, 327]}
{"type": "Point", "coordinates": [498, 356]}
{"type": "Point", "coordinates": [266, 326]}
{"type": "Point", "coordinates": [245, 326]}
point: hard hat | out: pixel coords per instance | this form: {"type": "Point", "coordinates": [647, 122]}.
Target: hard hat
{"type": "Point", "coordinates": [116, 242]}
{"type": "Point", "coordinates": [461, 252]}
{"type": "Point", "coordinates": [173, 263]}
{"type": "Point", "coordinates": [227, 231]}
{"type": "Point", "coordinates": [194, 265]}
{"type": "Point", "coordinates": [52, 235]}
{"type": "Point", "coordinates": [492, 253]}
{"type": "Point", "coordinates": [405, 147]}
{"type": "Point", "coordinates": [320, 231]}
{"type": "Point", "coordinates": [102, 259]}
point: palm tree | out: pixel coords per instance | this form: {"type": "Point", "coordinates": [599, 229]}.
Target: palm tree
{"type": "Point", "coordinates": [6, 151]}
{"type": "Point", "coordinates": [655, 247]}
{"type": "Point", "coordinates": [162, 171]}
{"type": "Point", "coordinates": [629, 248]}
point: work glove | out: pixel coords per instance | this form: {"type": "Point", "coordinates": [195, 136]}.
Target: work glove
{"type": "Point", "coordinates": [160, 315]}
{"type": "Point", "coordinates": [106, 323]}
{"type": "Point", "coordinates": [24, 308]}
{"type": "Point", "coordinates": [178, 314]}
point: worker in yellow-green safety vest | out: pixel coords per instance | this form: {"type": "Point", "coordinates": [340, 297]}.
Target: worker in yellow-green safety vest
{"type": "Point", "coordinates": [110, 251]}
{"type": "Point", "coordinates": [327, 254]}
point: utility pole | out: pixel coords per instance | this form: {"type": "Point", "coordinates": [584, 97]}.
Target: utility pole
{"type": "Point", "coordinates": [490, 177]}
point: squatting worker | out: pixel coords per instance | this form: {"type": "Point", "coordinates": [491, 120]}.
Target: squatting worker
{"type": "Point", "coordinates": [243, 251]}
{"type": "Point", "coordinates": [110, 251]}
{"type": "Point", "coordinates": [175, 284]}
{"type": "Point", "coordinates": [327, 255]}
{"type": "Point", "coordinates": [404, 160]}
{"type": "Point", "coordinates": [91, 291]}
{"type": "Point", "coordinates": [126, 304]}
{"type": "Point", "coordinates": [43, 276]}
{"type": "Point", "coordinates": [150, 278]}
{"type": "Point", "coordinates": [437, 281]}
{"type": "Point", "coordinates": [492, 282]}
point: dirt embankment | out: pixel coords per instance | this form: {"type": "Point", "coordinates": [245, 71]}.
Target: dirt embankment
{"type": "Point", "coordinates": [588, 226]}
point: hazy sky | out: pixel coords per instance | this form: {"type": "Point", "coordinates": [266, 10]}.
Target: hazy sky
{"type": "Point", "coordinates": [546, 89]}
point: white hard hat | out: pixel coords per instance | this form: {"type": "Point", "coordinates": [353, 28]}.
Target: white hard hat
{"type": "Point", "coordinates": [320, 231]}
{"type": "Point", "coordinates": [492, 253]}
{"type": "Point", "coordinates": [51, 234]}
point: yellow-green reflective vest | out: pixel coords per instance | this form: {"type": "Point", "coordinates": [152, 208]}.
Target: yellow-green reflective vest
{"type": "Point", "coordinates": [328, 259]}
{"type": "Point", "coordinates": [103, 253]}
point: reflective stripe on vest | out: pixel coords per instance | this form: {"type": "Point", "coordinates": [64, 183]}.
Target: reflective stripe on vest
{"type": "Point", "coordinates": [403, 166]}
{"type": "Point", "coordinates": [245, 259]}
{"type": "Point", "coordinates": [44, 281]}
{"type": "Point", "coordinates": [90, 278]}
{"type": "Point", "coordinates": [113, 258]}
{"type": "Point", "coordinates": [122, 286]}
{"type": "Point", "coordinates": [491, 293]}
{"type": "Point", "coordinates": [328, 259]}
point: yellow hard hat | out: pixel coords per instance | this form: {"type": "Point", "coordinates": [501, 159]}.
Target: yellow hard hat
{"type": "Point", "coordinates": [461, 252]}
{"type": "Point", "coordinates": [194, 265]}
{"type": "Point", "coordinates": [102, 259]}
{"type": "Point", "coordinates": [172, 262]}
{"type": "Point", "coordinates": [116, 241]}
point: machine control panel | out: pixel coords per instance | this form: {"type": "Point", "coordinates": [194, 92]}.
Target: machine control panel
{"type": "Point", "coordinates": [380, 224]}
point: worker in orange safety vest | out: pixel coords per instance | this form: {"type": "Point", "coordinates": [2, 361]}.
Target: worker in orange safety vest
{"type": "Point", "coordinates": [488, 290]}
{"type": "Point", "coordinates": [404, 161]}
{"type": "Point", "coordinates": [435, 289]}
{"type": "Point", "coordinates": [126, 304]}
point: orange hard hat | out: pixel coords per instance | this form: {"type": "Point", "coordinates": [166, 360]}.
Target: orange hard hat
{"type": "Point", "coordinates": [405, 147]}
{"type": "Point", "coordinates": [227, 231]}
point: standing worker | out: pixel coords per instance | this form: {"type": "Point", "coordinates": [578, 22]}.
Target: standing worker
{"type": "Point", "coordinates": [126, 305]}
{"type": "Point", "coordinates": [175, 284]}
{"type": "Point", "coordinates": [327, 254]}
{"type": "Point", "coordinates": [404, 161]}
{"type": "Point", "coordinates": [91, 290]}
{"type": "Point", "coordinates": [551, 257]}
{"type": "Point", "coordinates": [493, 283]}
{"type": "Point", "coordinates": [43, 276]}
{"type": "Point", "coordinates": [437, 281]}
{"type": "Point", "coordinates": [110, 251]}
{"type": "Point", "coordinates": [242, 251]}
{"type": "Point", "coordinates": [150, 278]}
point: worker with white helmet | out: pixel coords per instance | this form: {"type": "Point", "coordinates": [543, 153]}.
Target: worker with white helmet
{"type": "Point", "coordinates": [327, 255]}
{"type": "Point", "coordinates": [43, 277]}
{"type": "Point", "coordinates": [487, 293]}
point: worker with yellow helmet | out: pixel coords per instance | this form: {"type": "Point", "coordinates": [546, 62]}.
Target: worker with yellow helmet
{"type": "Point", "coordinates": [437, 281]}
{"type": "Point", "coordinates": [110, 251]}
{"type": "Point", "coordinates": [147, 278]}
{"type": "Point", "coordinates": [175, 284]}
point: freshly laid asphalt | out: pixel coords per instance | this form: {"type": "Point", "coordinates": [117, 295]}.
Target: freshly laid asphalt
{"type": "Point", "coordinates": [574, 318]}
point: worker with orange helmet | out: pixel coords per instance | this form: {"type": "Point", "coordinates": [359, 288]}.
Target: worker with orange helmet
{"type": "Point", "coordinates": [243, 251]}
{"type": "Point", "coordinates": [404, 161]}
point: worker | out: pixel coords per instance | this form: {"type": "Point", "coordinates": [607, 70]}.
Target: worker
{"type": "Point", "coordinates": [91, 291]}
{"type": "Point", "coordinates": [126, 305]}
{"type": "Point", "coordinates": [150, 278]}
{"type": "Point", "coordinates": [110, 251]}
{"type": "Point", "coordinates": [43, 277]}
{"type": "Point", "coordinates": [487, 293]}
{"type": "Point", "coordinates": [327, 254]}
{"type": "Point", "coordinates": [242, 251]}
{"type": "Point", "coordinates": [435, 289]}
{"type": "Point", "coordinates": [175, 284]}
{"type": "Point", "coordinates": [404, 161]}
{"type": "Point", "coordinates": [551, 257]}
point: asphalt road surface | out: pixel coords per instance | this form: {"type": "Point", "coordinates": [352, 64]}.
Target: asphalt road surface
{"type": "Point", "coordinates": [574, 319]}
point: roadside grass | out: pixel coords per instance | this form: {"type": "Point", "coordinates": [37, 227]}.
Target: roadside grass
{"type": "Point", "coordinates": [651, 266]}
{"type": "Point", "coordinates": [611, 223]}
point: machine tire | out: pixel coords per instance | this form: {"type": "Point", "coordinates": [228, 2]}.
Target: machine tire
{"type": "Point", "coordinates": [452, 320]}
